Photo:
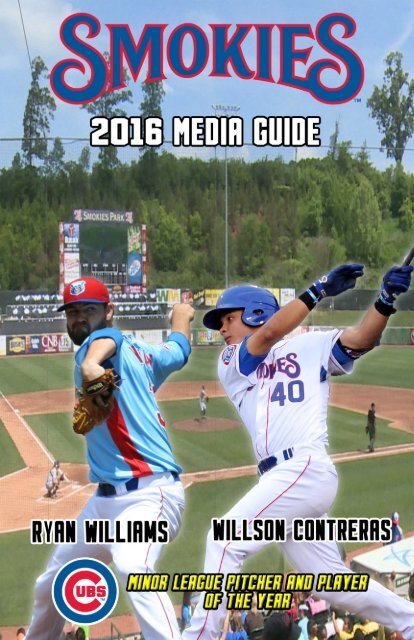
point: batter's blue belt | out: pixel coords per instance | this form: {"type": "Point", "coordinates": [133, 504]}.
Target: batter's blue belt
{"type": "Point", "coordinates": [105, 490]}
{"type": "Point", "coordinates": [273, 461]}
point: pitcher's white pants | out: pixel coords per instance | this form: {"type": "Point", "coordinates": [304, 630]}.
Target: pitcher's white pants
{"type": "Point", "coordinates": [302, 487]}
{"type": "Point", "coordinates": [154, 610]}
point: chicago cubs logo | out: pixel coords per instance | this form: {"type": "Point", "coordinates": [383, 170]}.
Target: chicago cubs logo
{"type": "Point", "coordinates": [85, 591]}
{"type": "Point", "coordinates": [228, 353]}
{"type": "Point", "coordinates": [76, 288]}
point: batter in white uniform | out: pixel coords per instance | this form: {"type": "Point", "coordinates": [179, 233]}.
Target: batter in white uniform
{"type": "Point", "coordinates": [280, 388]}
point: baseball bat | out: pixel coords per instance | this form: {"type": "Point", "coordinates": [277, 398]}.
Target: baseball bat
{"type": "Point", "coordinates": [408, 258]}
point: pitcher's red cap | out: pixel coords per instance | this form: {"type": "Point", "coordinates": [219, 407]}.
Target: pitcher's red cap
{"type": "Point", "coordinates": [84, 290]}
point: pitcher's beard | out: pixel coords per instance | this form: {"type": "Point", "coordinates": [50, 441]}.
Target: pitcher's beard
{"type": "Point", "coordinates": [82, 330]}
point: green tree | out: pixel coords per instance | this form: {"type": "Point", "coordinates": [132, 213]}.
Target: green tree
{"type": "Point", "coordinates": [85, 158]}
{"type": "Point", "coordinates": [169, 243]}
{"type": "Point", "coordinates": [392, 106]}
{"type": "Point", "coordinates": [55, 159]}
{"type": "Point", "coordinates": [17, 162]}
{"type": "Point", "coordinates": [153, 93]}
{"type": "Point", "coordinates": [150, 107]}
{"type": "Point", "coordinates": [365, 235]}
{"type": "Point", "coordinates": [333, 143]}
{"type": "Point", "coordinates": [39, 110]}
{"type": "Point", "coordinates": [253, 246]}
{"type": "Point", "coordinates": [407, 215]}
{"type": "Point", "coordinates": [310, 209]}
{"type": "Point", "coordinates": [108, 105]}
{"type": "Point", "coordinates": [399, 188]}
{"type": "Point", "coordinates": [363, 155]}
{"type": "Point", "coordinates": [195, 230]}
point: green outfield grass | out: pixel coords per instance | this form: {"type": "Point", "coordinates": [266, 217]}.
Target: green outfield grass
{"type": "Point", "coordinates": [386, 366]}
{"type": "Point", "coordinates": [11, 459]}
{"type": "Point", "coordinates": [55, 431]}
{"type": "Point", "coordinates": [196, 451]}
{"type": "Point", "coordinates": [40, 373]}
{"type": "Point", "coordinates": [36, 373]}
{"type": "Point", "coordinates": [370, 488]}
{"type": "Point", "coordinates": [346, 431]}
{"type": "Point", "coordinates": [202, 365]}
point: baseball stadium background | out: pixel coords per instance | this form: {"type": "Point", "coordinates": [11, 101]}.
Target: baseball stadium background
{"type": "Point", "coordinates": [157, 257]}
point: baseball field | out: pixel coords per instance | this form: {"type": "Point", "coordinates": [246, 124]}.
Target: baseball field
{"type": "Point", "coordinates": [218, 465]}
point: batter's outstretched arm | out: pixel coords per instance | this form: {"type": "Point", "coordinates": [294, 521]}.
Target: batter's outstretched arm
{"type": "Point", "coordinates": [367, 332]}
{"type": "Point", "coordinates": [290, 316]}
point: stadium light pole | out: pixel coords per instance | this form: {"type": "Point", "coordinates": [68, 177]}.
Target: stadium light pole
{"type": "Point", "coordinates": [226, 109]}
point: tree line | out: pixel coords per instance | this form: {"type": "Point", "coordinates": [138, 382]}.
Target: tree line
{"type": "Point", "coordinates": [288, 221]}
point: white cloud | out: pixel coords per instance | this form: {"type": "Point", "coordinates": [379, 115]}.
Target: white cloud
{"type": "Point", "coordinates": [405, 35]}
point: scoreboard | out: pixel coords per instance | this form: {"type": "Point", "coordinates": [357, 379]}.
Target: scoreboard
{"type": "Point", "coordinates": [104, 244]}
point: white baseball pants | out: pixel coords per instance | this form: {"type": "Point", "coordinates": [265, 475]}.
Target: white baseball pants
{"type": "Point", "coordinates": [154, 610]}
{"type": "Point", "coordinates": [303, 487]}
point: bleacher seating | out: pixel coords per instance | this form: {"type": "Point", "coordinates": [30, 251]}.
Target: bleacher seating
{"type": "Point", "coordinates": [45, 306]}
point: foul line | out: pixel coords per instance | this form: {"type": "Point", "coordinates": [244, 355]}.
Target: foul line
{"type": "Point", "coordinates": [66, 495]}
{"type": "Point", "coordinates": [24, 423]}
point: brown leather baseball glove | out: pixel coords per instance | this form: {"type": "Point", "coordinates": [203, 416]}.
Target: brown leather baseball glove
{"type": "Point", "coordinates": [95, 402]}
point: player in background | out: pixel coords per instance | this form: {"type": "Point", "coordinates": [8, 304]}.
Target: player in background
{"type": "Point", "coordinates": [202, 401]}
{"type": "Point", "coordinates": [370, 428]}
{"type": "Point", "coordinates": [280, 388]}
{"type": "Point", "coordinates": [53, 480]}
{"type": "Point", "coordinates": [129, 455]}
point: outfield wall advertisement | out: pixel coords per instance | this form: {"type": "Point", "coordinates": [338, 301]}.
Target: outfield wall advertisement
{"type": "Point", "coordinates": [17, 345]}
{"type": "Point", "coordinates": [33, 344]}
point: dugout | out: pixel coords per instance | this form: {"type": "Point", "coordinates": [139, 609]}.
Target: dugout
{"type": "Point", "coordinates": [380, 563]}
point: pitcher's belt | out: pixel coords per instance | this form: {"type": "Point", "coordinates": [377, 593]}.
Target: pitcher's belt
{"type": "Point", "coordinates": [105, 489]}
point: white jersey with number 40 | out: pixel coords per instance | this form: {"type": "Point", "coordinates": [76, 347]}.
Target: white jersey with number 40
{"type": "Point", "coordinates": [282, 397]}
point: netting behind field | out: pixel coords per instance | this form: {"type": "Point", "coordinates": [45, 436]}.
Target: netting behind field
{"type": "Point", "coordinates": [248, 152]}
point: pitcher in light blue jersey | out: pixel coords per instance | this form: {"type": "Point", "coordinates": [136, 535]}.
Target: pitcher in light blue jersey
{"type": "Point", "coordinates": [129, 456]}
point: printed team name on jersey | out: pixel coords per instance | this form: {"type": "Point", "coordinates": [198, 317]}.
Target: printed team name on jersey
{"type": "Point", "coordinates": [228, 353]}
{"type": "Point", "coordinates": [286, 364]}
{"type": "Point", "coordinates": [144, 358]}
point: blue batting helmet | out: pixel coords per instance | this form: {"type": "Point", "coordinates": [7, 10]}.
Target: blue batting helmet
{"type": "Point", "coordinates": [258, 306]}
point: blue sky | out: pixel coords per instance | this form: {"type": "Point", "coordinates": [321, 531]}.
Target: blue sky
{"type": "Point", "coordinates": [381, 27]}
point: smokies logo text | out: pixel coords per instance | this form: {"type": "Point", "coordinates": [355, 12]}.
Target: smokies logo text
{"type": "Point", "coordinates": [287, 365]}
{"type": "Point", "coordinates": [223, 55]}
